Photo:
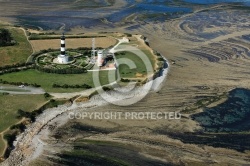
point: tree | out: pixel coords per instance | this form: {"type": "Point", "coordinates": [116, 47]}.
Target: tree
{"type": "Point", "coordinates": [22, 113]}
{"type": "Point", "coordinates": [46, 95]}
{"type": "Point", "coordinates": [5, 37]}
{"type": "Point", "coordinates": [10, 138]}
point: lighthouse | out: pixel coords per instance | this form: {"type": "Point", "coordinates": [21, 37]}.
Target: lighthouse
{"type": "Point", "coordinates": [63, 45]}
{"type": "Point", "coordinates": [63, 58]}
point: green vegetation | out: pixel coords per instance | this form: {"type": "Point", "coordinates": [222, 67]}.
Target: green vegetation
{"type": "Point", "coordinates": [78, 62]}
{"type": "Point", "coordinates": [11, 103]}
{"type": "Point", "coordinates": [46, 80]}
{"type": "Point", "coordinates": [19, 126]}
{"type": "Point", "coordinates": [150, 56]}
{"type": "Point", "coordinates": [16, 84]}
{"type": "Point", "coordinates": [5, 37]}
{"type": "Point", "coordinates": [17, 53]}
{"type": "Point", "coordinates": [126, 72]}
{"type": "Point", "coordinates": [83, 86]}
{"type": "Point", "coordinates": [15, 108]}
{"type": "Point", "coordinates": [32, 115]}
{"type": "Point", "coordinates": [25, 116]}
{"type": "Point", "coordinates": [46, 95]}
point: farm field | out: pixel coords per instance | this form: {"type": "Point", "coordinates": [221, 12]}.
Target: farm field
{"type": "Point", "coordinates": [74, 43]}
{"type": "Point", "coordinates": [46, 80]}
{"type": "Point", "coordinates": [17, 53]}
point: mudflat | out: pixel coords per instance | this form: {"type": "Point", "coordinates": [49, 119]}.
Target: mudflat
{"type": "Point", "coordinates": [208, 52]}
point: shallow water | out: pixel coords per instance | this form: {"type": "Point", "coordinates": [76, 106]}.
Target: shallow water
{"type": "Point", "coordinates": [146, 8]}
{"type": "Point", "coordinates": [88, 17]}
{"type": "Point", "coordinates": [217, 1]}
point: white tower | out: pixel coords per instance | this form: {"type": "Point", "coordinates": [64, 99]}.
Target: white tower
{"type": "Point", "coordinates": [63, 58]}
{"type": "Point", "coordinates": [93, 49]}
{"type": "Point", "coordinates": [100, 58]}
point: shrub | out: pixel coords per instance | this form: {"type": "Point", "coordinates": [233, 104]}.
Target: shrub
{"type": "Point", "coordinates": [47, 95]}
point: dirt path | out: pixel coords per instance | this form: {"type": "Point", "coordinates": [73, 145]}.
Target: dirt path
{"type": "Point", "coordinates": [33, 51]}
{"type": "Point", "coordinates": [5, 143]}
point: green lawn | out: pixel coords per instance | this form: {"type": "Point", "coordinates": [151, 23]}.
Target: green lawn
{"type": "Point", "coordinates": [17, 53]}
{"type": "Point", "coordinates": [46, 80]}
{"type": "Point", "coordinates": [126, 72]}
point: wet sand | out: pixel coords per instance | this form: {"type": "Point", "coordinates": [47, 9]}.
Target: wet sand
{"type": "Point", "coordinates": [220, 71]}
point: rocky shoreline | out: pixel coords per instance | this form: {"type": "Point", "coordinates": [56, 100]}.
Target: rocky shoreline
{"type": "Point", "coordinates": [29, 145]}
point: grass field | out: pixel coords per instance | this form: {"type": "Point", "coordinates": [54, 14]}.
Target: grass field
{"type": "Point", "coordinates": [11, 103]}
{"type": "Point", "coordinates": [151, 57]}
{"type": "Point", "coordinates": [9, 106]}
{"type": "Point", "coordinates": [46, 80]}
{"type": "Point", "coordinates": [17, 53]}
{"type": "Point", "coordinates": [126, 72]}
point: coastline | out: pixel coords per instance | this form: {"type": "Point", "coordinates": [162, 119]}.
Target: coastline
{"type": "Point", "coordinates": [192, 79]}
{"type": "Point", "coordinates": [29, 145]}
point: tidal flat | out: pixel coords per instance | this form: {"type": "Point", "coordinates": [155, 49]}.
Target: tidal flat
{"type": "Point", "coordinates": [208, 50]}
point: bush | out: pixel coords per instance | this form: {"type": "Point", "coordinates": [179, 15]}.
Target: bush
{"type": "Point", "coordinates": [22, 113]}
{"type": "Point", "coordinates": [10, 138]}
{"type": "Point", "coordinates": [5, 38]}
{"type": "Point", "coordinates": [4, 93]}
{"type": "Point", "coordinates": [105, 88]}
{"type": "Point", "coordinates": [85, 86]}
{"type": "Point", "coordinates": [19, 83]}
{"type": "Point", "coordinates": [47, 95]}
{"type": "Point", "coordinates": [19, 126]}
{"type": "Point", "coordinates": [62, 71]}
{"type": "Point", "coordinates": [160, 59]}
{"type": "Point", "coordinates": [125, 80]}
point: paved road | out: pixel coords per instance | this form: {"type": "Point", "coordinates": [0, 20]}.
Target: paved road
{"type": "Point", "coordinates": [25, 90]}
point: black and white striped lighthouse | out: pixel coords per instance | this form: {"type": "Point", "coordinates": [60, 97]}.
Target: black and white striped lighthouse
{"type": "Point", "coordinates": [63, 45]}
{"type": "Point", "coordinates": [63, 58]}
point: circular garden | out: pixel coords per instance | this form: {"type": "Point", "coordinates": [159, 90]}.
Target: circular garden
{"type": "Point", "coordinates": [79, 62]}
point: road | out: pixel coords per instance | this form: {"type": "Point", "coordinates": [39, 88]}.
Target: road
{"type": "Point", "coordinates": [17, 90]}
